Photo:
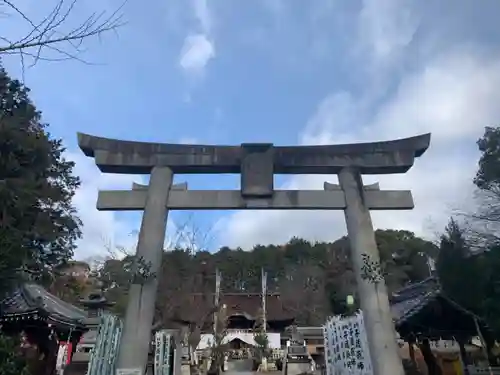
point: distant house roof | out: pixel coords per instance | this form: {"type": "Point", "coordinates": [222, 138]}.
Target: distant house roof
{"type": "Point", "coordinates": [31, 301]}
{"type": "Point", "coordinates": [241, 304]}
{"type": "Point", "coordinates": [423, 308]}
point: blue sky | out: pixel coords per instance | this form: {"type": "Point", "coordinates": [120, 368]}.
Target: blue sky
{"type": "Point", "coordinates": [287, 72]}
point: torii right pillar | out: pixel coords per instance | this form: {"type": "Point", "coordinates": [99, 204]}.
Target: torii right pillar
{"type": "Point", "coordinates": [374, 299]}
{"type": "Point", "coordinates": [372, 290]}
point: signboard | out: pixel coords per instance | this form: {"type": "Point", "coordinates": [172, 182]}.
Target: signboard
{"type": "Point", "coordinates": [129, 371]}
{"type": "Point", "coordinates": [297, 350]}
{"type": "Point", "coordinates": [346, 346]}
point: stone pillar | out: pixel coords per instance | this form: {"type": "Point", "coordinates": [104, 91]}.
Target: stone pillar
{"type": "Point", "coordinates": [373, 296]}
{"type": "Point", "coordinates": [136, 336]}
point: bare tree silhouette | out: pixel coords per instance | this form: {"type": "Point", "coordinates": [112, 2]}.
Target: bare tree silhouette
{"type": "Point", "coordinates": [50, 38]}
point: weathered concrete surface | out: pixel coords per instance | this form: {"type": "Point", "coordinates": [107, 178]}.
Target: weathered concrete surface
{"type": "Point", "coordinates": [330, 186]}
{"type": "Point", "coordinates": [178, 360]}
{"type": "Point", "coordinates": [373, 296]}
{"type": "Point", "coordinates": [126, 200]}
{"type": "Point", "coordinates": [181, 186]}
{"type": "Point", "coordinates": [257, 170]}
{"type": "Point", "coordinates": [185, 369]}
{"type": "Point", "coordinates": [136, 336]}
{"type": "Point", "coordinates": [115, 156]}
{"type": "Point", "coordinates": [298, 367]}
{"type": "Point", "coordinates": [240, 366]}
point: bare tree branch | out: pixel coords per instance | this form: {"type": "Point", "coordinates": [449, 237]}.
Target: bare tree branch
{"type": "Point", "coordinates": [192, 237]}
{"type": "Point", "coordinates": [482, 226]}
{"type": "Point", "coordinates": [49, 34]}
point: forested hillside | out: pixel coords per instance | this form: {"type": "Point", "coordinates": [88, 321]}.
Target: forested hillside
{"type": "Point", "coordinates": [312, 278]}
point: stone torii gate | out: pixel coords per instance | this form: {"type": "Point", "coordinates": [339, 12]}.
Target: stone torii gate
{"type": "Point", "coordinates": [257, 164]}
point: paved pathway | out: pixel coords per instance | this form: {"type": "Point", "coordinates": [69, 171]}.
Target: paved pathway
{"type": "Point", "coordinates": [239, 366]}
{"type": "Point", "coordinates": [244, 367]}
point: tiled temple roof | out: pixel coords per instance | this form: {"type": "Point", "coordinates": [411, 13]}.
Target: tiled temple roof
{"type": "Point", "coordinates": [412, 298]}
{"type": "Point", "coordinates": [424, 308]}
{"type": "Point", "coordinates": [243, 304]}
{"type": "Point", "coordinates": [31, 301]}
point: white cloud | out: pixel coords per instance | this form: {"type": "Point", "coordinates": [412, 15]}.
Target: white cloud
{"type": "Point", "coordinates": [197, 51]}
{"type": "Point", "coordinates": [108, 231]}
{"type": "Point", "coordinates": [199, 46]}
{"type": "Point", "coordinates": [189, 141]}
{"type": "Point", "coordinates": [340, 113]}
{"type": "Point", "coordinates": [385, 28]}
{"type": "Point", "coordinates": [203, 15]}
{"type": "Point", "coordinates": [99, 228]}
{"type": "Point", "coordinates": [452, 94]}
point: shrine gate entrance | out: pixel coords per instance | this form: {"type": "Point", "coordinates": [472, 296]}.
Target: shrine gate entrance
{"type": "Point", "coordinates": [257, 164]}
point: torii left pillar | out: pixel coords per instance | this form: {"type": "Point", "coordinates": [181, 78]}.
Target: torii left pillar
{"type": "Point", "coordinates": [136, 336]}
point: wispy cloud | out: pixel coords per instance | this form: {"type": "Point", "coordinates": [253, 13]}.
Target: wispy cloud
{"type": "Point", "coordinates": [199, 45]}
{"type": "Point", "coordinates": [385, 29]}
{"type": "Point", "coordinates": [450, 92]}
{"type": "Point", "coordinates": [325, 72]}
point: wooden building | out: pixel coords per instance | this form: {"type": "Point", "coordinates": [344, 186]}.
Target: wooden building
{"type": "Point", "coordinates": [43, 320]}
{"type": "Point", "coordinates": [242, 311]}
{"type": "Point", "coordinates": [423, 309]}
{"type": "Point", "coordinates": [423, 312]}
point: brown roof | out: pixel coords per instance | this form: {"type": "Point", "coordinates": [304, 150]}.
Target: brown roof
{"type": "Point", "coordinates": [247, 304]}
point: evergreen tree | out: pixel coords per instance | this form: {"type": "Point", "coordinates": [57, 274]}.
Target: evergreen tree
{"type": "Point", "coordinates": [11, 362]}
{"type": "Point", "coordinates": [489, 304]}
{"type": "Point", "coordinates": [260, 335]}
{"type": "Point", "coordinates": [488, 173]}
{"type": "Point", "coordinates": [462, 274]}
{"type": "Point", "coordinates": [485, 220]}
{"type": "Point", "coordinates": [38, 223]}
{"type": "Point", "coordinates": [452, 262]}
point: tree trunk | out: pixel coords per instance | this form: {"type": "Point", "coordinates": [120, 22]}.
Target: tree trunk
{"type": "Point", "coordinates": [463, 357]}
{"type": "Point", "coordinates": [411, 350]}
{"type": "Point", "coordinates": [429, 358]}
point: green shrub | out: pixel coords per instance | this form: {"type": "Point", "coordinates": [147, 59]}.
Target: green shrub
{"type": "Point", "coordinates": [11, 361]}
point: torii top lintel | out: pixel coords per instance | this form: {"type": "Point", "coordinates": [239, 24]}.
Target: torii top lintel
{"type": "Point", "coordinates": [130, 157]}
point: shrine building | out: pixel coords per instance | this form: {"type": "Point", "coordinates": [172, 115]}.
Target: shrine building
{"type": "Point", "coordinates": [243, 311]}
